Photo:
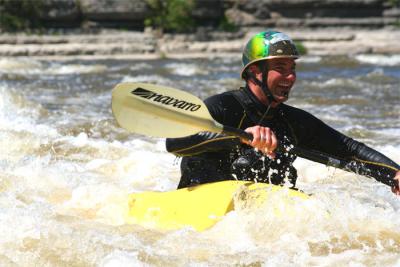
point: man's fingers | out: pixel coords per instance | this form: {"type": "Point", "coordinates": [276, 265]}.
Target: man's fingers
{"type": "Point", "coordinates": [274, 142]}
{"type": "Point", "coordinates": [264, 140]}
{"type": "Point", "coordinates": [396, 188]}
{"type": "Point", "coordinates": [271, 142]}
{"type": "Point", "coordinates": [255, 131]}
{"type": "Point", "coordinates": [267, 133]}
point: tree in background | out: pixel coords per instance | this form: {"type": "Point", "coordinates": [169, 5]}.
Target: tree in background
{"type": "Point", "coordinates": [17, 15]}
{"type": "Point", "coordinates": [171, 15]}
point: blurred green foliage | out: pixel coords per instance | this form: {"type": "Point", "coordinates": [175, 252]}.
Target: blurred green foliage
{"type": "Point", "coordinates": [394, 3]}
{"type": "Point", "coordinates": [301, 48]}
{"type": "Point", "coordinates": [19, 15]}
{"type": "Point", "coordinates": [171, 15]}
{"type": "Point", "coordinates": [226, 25]}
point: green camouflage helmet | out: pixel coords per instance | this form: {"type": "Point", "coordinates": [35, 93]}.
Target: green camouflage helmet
{"type": "Point", "coordinates": [266, 45]}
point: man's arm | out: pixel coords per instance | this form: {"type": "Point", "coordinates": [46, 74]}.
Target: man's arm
{"type": "Point", "coordinates": [313, 134]}
{"type": "Point", "coordinates": [220, 107]}
{"type": "Point", "coordinates": [200, 143]}
{"type": "Point", "coordinates": [360, 158]}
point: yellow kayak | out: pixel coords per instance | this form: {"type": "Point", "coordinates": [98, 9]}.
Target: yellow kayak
{"type": "Point", "coordinates": [199, 207]}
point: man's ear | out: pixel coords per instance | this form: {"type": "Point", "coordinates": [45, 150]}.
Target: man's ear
{"type": "Point", "coordinates": [254, 69]}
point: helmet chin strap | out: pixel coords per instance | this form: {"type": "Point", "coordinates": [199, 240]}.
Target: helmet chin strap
{"type": "Point", "coordinates": [264, 87]}
{"type": "Point", "coordinates": [264, 84]}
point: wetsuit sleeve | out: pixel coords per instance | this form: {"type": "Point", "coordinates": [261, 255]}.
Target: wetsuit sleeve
{"type": "Point", "coordinates": [200, 143]}
{"type": "Point", "coordinates": [354, 156]}
{"type": "Point", "coordinates": [204, 141]}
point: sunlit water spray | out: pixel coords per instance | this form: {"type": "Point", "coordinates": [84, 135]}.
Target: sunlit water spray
{"type": "Point", "coordinates": [66, 170]}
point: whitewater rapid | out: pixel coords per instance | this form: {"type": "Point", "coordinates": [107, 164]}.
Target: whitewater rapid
{"type": "Point", "coordinates": [66, 169]}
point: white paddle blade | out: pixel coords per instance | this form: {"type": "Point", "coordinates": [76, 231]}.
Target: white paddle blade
{"type": "Point", "coordinates": [160, 111]}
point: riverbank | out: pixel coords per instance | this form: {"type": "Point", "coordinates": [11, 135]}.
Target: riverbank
{"type": "Point", "coordinates": [148, 44]}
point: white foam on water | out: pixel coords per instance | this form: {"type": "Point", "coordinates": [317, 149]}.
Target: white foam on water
{"type": "Point", "coordinates": [63, 198]}
{"type": "Point", "coordinates": [337, 82]}
{"type": "Point", "coordinates": [20, 66]}
{"type": "Point", "coordinates": [140, 66]}
{"type": "Point", "coordinates": [381, 60]}
{"type": "Point", "coordinates": [14, 107]}
{"type": "Point", "coordinates": [185, 69]}
{"type": "Point", "coordinates": [122, 258]}
{"type": "Point", "coordinates": [45, 174]}
{"type": "Point", "coordinates": [62, 69]}
{"type": "Point", "coordinates": [102, 202]}
{"type": "Point", "coordinates": [22, 138]}
{"type": "Point", "coordinates": [34, 67]}
{"type": "Point", "coordinates": [147, 79]}
{"type": "Point", "coordinates": [309, 59]}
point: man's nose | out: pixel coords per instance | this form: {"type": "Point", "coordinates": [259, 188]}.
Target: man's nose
{"type": "Point", "coordinates": [291, 75]}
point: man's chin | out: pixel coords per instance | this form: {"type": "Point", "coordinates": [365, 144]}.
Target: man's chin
{"type": "Point", "coordinates": [279, 100]}
{"type": "Point", "coordinates": [275, 104]}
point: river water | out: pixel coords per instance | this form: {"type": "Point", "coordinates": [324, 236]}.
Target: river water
{"type": "Point", "coordinates": [66, 168]}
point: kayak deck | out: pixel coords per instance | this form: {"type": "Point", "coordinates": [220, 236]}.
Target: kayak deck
{"type": "Point", "coordinates": [199, 207]}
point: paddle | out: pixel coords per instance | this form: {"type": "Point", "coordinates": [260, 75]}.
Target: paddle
{"type": "Point", "coordinates": [161, 111]}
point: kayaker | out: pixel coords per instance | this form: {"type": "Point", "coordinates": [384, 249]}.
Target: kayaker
{"type": "Point", "coordinates": [269, 74]}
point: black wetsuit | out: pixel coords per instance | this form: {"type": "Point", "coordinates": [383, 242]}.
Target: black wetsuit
{"type": "Point", "coordinates": [210, 157]}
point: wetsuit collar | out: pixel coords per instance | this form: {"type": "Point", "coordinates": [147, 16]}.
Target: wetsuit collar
{"type": "Point", "coordinates": [258, 105]}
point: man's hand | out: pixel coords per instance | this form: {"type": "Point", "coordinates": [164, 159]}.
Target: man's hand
{"type": "Point", "coordinates": [396, 188]}
{"type": "Point", "coordinates": [264, 140]}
